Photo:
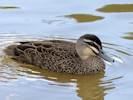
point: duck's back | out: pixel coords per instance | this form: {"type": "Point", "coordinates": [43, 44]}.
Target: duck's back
{"type": "Point", "coordinates": [60, 56]}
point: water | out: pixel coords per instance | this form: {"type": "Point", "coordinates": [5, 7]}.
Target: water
{"type": "Point", "coordinates": [111, 21]}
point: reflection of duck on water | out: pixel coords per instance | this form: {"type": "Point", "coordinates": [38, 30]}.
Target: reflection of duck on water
{"type": "Point", "coordinates": [87, 87]}
{"type": "Point", "coordinates": [83, 57]}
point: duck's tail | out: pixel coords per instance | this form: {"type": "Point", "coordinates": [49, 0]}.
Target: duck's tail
{"type": "Point", "coordinates": [10, 50]}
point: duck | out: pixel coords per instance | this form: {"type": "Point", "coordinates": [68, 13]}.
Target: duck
{"type": "Point", "coordinates": [86, 56]}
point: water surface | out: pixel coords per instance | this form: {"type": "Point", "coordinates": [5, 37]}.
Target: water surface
{"type": "Point", "coordinates": [111, 21]}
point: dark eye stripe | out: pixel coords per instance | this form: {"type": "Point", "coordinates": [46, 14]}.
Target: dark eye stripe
{"type": "Point", "coordinates": [92, 44]}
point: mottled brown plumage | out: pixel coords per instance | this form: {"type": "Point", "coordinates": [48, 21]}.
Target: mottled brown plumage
{"type": "Point", "coordinates": [58, 55]}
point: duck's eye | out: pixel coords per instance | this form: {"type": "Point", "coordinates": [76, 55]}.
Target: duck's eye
{"type": "Point", "coordinates": [91, 43]}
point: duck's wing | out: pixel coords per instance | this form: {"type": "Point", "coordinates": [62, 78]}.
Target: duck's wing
{"type": "Point", "coordinates": [59, 43]}
{"type": "Point", "coordinates": [42, 53]}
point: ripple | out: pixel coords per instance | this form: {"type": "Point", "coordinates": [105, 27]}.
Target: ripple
{"type": "Point", "coordinates": [129, 37]}
{"type": "Point", "coordinates": [67, 19]}
{"type": "Point", "coordinates": [52, 21]}
{"type": "Point", "coordinates": [117, 8]}
{"type": "Point", "coordinates": [94, 87]}
{"type": "Point", "coordinates": [117, 59]}
{"type": "Point", "coordinates": [30, 74]}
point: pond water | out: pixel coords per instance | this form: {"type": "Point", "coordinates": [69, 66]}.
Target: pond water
{"type": "Point", "coordinates": [111, 21]}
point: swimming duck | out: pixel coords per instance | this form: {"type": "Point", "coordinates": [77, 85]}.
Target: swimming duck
{"type": "Point", "coordinates": [83, 57]}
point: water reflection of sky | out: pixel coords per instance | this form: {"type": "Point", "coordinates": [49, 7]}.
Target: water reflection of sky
{"type": "Point", "coordinates": [38, 17]}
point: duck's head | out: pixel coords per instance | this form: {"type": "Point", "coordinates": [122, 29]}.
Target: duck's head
{"type": "Point", "coordinates": [90, 45]}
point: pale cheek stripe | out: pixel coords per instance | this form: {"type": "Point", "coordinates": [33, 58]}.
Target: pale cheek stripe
{"type": "Point", "coordinates": [94, 49]}
{"type": "Point", "coordinates": [93, 42]}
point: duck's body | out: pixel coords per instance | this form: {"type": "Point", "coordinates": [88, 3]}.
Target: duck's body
{"type": "Point", "coordinates": [59, 56]}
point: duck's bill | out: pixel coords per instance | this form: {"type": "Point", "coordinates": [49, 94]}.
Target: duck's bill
{"type": "Point", "coordinates": [103, 55]}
